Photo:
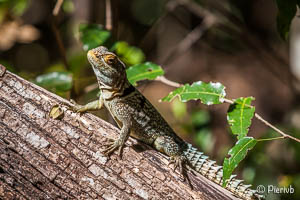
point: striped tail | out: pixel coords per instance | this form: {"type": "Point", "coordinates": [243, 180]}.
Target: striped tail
{"type": "Point", "coordinates": [199, 162]}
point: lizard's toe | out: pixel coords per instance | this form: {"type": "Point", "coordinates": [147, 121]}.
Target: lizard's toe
{"type": "Point", "coordinates": [178, 162]}
{"type": "Point", "coordinates": [76, 107]}
{"type": "Point", "coordinates": [172, 161]}
{"type": "Point", "coordinates": [111, 146]}
{"type": "Point", "coordinates": [110, 149]}
{"type": "Point", "coordinates": [109, 142]}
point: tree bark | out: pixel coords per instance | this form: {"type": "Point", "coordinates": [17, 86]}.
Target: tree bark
{"type": "Point", "coordinates": [44, 158]}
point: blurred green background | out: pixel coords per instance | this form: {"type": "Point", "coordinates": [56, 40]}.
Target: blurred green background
{"type": "Point", "coordinates": [233, 42]}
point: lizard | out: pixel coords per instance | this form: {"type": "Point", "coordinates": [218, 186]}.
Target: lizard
{"type": "Point", "coordinates": [138, 118]}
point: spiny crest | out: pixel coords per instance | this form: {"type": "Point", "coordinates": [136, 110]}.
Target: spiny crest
{"type": "Point", "coordinates": [212, 171]}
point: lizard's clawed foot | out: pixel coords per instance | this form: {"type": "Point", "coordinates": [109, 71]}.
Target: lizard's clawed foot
{"type": "Point", "coordinates": [111, 146]}
{"type": "Point", "coordinates": [178, 161]}
{"type": "Point", "coordinates": [76, 107]}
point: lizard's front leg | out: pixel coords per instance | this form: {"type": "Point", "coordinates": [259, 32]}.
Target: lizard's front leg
{"type": "Point", "coordinates": [119, 143]}
{"type": "Point", "coordinates": [94, 105]}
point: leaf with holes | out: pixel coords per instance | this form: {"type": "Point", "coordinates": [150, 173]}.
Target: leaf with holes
{"type": "Point", "coordinates": [239, 116]}
{"type": "Point", "coordinates": [237, 154]}
{"type": "Point", "coordinates": [93, 35]}
{"type": "Point", "coordinates": [143, 71]}
{"type": "Point", "coordinates": [209, 93]}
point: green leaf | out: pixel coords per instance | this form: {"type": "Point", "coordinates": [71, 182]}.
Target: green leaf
{"type": "Point", "coordinates": [286, 12]}
{"type": "Point", "coordinates": [209, 93]}
{"type": "Point", "coordinates": [93, 35]}
{"type": "Point", "coordinates": [237, 154]}
{"type": "Point", "coordinates": [55, 81]}
{"type": "Point", "coordinates": [130, 55]}
{"type": "Point", "coordinates": [239, 116]}
{"type": "Point", "coordinates": [143, 71]}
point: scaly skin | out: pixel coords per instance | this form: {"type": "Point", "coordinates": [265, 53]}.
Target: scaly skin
{"type": "Point", "coordinates": [137, 117]}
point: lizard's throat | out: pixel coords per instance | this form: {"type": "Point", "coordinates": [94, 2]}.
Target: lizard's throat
{"type": "Point", "coordinates": [111, 91]}
{"type": "Point", "coordinates": [109, 79]}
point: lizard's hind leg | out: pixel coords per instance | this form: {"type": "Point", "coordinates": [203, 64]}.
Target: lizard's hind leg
{"type": "Point", "coordinates": [167, 145]}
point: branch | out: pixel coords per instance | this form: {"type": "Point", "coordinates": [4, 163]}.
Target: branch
{"type": "Point", "coordinates": [276, 129]}
{"type": "Point", "coordinates": [61, 159]}
{"type": "Point", "coordinates": [57, 7]}
{"type": "Point", "coordinates": [59, 41]}
{"type": "Point", "coordinates": [108, 15]}
{"type": "Point", "coordinates": [174, 84]}
{"type": "Point", "coordinates": [167, 81]}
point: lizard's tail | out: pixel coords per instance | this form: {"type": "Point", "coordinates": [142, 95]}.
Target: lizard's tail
{"type": "Point", "coordinates": [198, 161]}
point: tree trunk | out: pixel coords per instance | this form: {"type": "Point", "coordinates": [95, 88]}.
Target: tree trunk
{"type": "Point", "coordinates": [44, 158]}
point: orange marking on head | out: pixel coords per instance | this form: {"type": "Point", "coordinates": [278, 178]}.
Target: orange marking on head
{"type": "Point", "coordinates": [109, 58]}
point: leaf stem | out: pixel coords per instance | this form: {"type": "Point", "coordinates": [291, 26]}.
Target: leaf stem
{"type": "Point", "coordinates": [228, 101]}
{"type": "Point", "coordinates": [168, 82]}
{"type": "Point", "coordinates": [268, 139]}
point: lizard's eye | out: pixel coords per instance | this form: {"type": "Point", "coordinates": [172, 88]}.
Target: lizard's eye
{"type": "Point", "coordinates": [110, 59]}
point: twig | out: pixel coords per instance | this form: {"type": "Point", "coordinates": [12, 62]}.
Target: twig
{"type": "Point", "coordinates": [55, 30]}
{"type": "Point", "coordinates": [91, 88]}
{"type": "Point", "coordinates": [57, 7]}
{"type": "Point", "coordinates": [108, 17]}
{"type": "Point", "coordinates": [168, 82]}
{"type": "Point", "coordinates": [174, 84]}
{"type": "Point", "coordinates": [59, 41]}
{"type": "Point", "coordinates": [228, 101]}
{"type": "Point", "coordinates": [276, 129]}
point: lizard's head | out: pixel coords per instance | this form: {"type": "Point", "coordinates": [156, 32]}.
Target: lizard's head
{"type": "Point", "coordinates": [107, 66]}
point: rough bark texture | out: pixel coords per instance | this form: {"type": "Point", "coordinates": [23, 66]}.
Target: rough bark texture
{"type": "Point", "coordinates": [43, 158]}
